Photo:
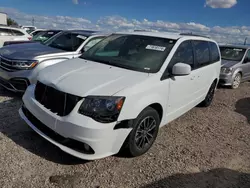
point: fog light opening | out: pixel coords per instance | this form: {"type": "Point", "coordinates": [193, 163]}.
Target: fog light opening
{"type": "Point", "coordinates": [86, 147]}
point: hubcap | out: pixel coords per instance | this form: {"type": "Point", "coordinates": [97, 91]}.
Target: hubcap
{"type": "Point", "coordinates": [145, 132]}
{"type": "Point", "coordinates": [236, 81]}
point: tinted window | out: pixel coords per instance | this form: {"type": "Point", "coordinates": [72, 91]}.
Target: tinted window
{"type": "Point", "coordinates": [201, 52]}
{"type": "Point", "coordinates": [183, 54]}
{"type": "Point", "coordinates": [36, 33]}
{"type": "Point", "coordinates": [134, 52]}
{"type": "Point", "coordinates": [66, 41]}
{"type": "Point", "coordinates": [5, 32]}
{"type": "Point", "coordinates": [215, 56]}
{"type": "Point", "coordinates": [232, 53]}
{"type": "Point", "coordinates": [17, 33]}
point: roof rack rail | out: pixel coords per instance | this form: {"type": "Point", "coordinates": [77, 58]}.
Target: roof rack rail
{"type": "Point", "coordinates": [192, 34]}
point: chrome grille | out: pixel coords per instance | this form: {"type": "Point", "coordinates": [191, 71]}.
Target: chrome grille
{"type": "Point", "coordinates": [7, 64]}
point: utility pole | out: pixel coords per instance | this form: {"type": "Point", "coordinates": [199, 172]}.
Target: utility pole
{"type": "Point", "coordinates": [245, 42]}
{"type": "Point", "coordinates": [33, 21]}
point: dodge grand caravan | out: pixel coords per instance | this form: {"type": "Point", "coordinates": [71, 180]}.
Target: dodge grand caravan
{"type": "Point", "coordinates": [118, 94]}
{"type": "Point", "coordinates": [235, 65]}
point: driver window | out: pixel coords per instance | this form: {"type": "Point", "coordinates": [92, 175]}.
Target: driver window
{"type": "Point", "coordinates": [183, 54]}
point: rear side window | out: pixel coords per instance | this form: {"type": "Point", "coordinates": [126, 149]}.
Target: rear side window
{"type": "Point", "coordinates": [201, 49]}
{"type": "Point", "coordinates": [17, 33]}
{"type": "Point", "coordinates": [5, 32]}
{"type": "Point", "coordinates": [214, 51]}
{"type": "Point", "coordinates": [183, 54]}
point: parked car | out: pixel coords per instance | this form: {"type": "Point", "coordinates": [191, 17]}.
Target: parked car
{"type": "Point", "coordinates": [119, 92]}
{"type": "Point", "coordinates": [29, 29]}
{"type": "Point", "coordinates": [235, 65]}
{"type": "Point", "coordinates": [13, 34]}
{"type": "Point", "coordinates": [42, 37]}
{"type": "Point", "coordinates": [20, 63]}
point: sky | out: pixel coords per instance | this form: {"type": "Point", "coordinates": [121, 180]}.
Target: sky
{"type": "Point", "coordinates": [226, 21]}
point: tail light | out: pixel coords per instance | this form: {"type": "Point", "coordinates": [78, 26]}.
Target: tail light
{"type": "Point", "coordinates": [29, 38]}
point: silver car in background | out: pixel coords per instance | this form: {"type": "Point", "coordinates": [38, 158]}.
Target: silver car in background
{"type": "Point", "coordinates": [20, 63]}
{"type": "Point", "coordinates": [235, 65]}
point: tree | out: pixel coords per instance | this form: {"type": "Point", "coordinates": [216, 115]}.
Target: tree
{"type": "Point", "coordinates": [11, 22]}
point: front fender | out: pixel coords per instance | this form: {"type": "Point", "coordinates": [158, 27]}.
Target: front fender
{"type": "Point", "coordinates": [132, 108]}
{"type": "Point", "coordinates": [237, 71]}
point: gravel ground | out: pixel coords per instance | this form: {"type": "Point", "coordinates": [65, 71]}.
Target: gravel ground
{"type": "Point", "coordinates": [204, 148]}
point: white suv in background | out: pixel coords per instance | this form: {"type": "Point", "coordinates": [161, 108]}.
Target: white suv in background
{"type": "Point", "coordinates": [12, 34]}
{"type": "Point", "coordinates": [119, 92]}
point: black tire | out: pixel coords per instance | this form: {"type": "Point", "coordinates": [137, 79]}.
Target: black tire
{"type": "Point", "coordinates": [133, 140]}
{"type": "Point", "coordinates": [236, 81]}
{"type": "Point", "coordinates": [209, 97]}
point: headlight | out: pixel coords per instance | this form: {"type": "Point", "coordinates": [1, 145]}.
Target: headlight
{"type": "Point", "coordinates": [24, 65]}
{"type": "Point", "coordinates": [102, 109]}
{"type": "Point", "coordinates": [226, 70]}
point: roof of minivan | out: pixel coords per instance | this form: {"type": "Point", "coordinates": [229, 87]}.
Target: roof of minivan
{"type": "Point", "coordinates": [168, 35]}
{"type": "Point", "coordinates": [235, 46]}
{"type": "Point", "coordinates": [86, 33]}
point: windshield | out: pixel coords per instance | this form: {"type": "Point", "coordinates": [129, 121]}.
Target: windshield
{"type": "Point", "coordinates": [43, 36]}
{"type": "Point", "coordinates": [134, 52]}
{"type": "Point", "coordinates": [231, 53]}
{"type": "Point", "coordinates": [66, 41]}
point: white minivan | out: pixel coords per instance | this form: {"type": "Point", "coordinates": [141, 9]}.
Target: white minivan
{"type": "Point", "coordinates": [119, 92]}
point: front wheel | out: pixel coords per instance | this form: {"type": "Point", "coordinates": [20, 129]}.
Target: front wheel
{"type": "Point", "coordinates": [144, 132]}
{"type": "Point", "coordinates": [236, 81]}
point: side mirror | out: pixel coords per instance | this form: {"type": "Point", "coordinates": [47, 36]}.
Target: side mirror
{"type": "Point", "coordinates": [181, 69]}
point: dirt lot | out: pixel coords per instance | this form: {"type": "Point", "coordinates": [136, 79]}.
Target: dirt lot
{"type": "Point", "coordinates": [204, 148]}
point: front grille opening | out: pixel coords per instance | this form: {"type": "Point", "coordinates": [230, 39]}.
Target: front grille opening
{"type": "Point", "coordinates": [5, 84]}
{"type": "Point", "coordinates": [20, 84]}
{"type": "Point", "coordinates": [68, 142]}
{"type": "Point", "coordinates": [56, 101]}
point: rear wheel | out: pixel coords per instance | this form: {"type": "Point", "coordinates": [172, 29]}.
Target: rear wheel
{"type": "Point", "coordinates": [210, 96]}
{"type": "Point", "coordinates": [144, 132]}
{"type": "Point", "coordinates": [236, 81]}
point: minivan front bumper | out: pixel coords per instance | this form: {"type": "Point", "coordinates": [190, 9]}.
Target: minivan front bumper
{"type": "Point", "coordinates": [75, 134]}
{"type": "Point", "coordinates": [226, 79]}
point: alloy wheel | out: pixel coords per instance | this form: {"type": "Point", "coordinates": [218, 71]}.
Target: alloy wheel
{"type": "Point", "coordinates": [237, 80]}
{"type": "Point", "coordinates": [145, 132]}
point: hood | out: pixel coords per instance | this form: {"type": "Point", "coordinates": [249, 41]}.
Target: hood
{"type": "Point", "coordinates": [82, 78]}
{"type": "Point", "coordinates": [228, 63]}
{"type": "Point", "coordinates": [27, 51]}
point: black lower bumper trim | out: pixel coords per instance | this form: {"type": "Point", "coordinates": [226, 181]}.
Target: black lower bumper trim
{"type": "Point", "coordinates": [68, 142]}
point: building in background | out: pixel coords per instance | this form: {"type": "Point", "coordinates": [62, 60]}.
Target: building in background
{"type": "Point", "coordinates": [3, 18]}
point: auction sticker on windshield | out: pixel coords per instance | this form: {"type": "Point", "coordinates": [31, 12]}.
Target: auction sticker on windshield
{"type": "Point", "coordinates": [157, 48]}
